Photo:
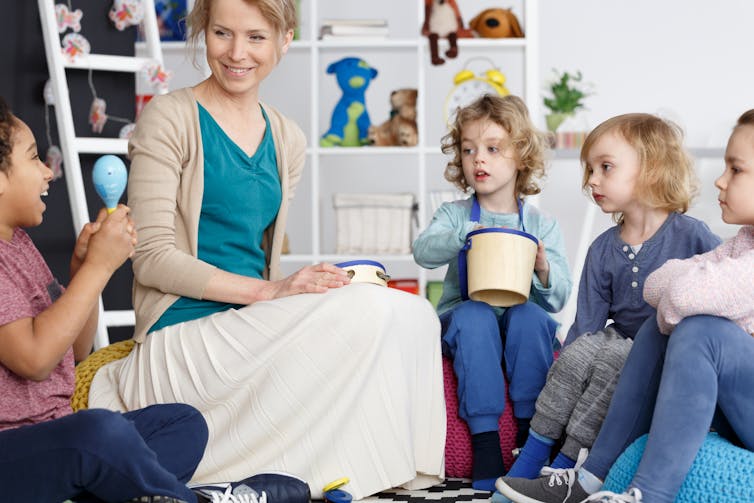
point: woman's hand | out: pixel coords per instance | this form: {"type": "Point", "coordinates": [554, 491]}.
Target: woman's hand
{"type": "Point", "coordinates": [317, 278]}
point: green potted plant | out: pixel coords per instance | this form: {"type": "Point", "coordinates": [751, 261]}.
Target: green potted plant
{"type": "Point", "coordinates": [567, 95]}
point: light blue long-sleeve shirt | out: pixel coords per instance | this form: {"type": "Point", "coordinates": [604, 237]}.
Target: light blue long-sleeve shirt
{"type": "Point", "coordinates": [441, 241]}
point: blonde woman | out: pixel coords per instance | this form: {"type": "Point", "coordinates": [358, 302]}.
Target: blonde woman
{"type": "Point", "coordinates": [306, 373]}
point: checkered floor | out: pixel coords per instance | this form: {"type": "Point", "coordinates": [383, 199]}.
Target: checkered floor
{"type": "Point", "coordinates": [453, 490]}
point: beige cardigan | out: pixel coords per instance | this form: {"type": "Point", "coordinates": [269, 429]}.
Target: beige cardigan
{"type": "Point", "coordinates": [165, 187]}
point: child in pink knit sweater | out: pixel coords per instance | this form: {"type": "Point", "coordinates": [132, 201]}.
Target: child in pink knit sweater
{"type": "Point", "coordinates": [688, 370]}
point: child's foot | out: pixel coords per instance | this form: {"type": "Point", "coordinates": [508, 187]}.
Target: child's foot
{"type": "Point", "coordinates": [556, 487]}
{"type": "Point", "coordinates": [562, 461]}
{"type": "Point", "coordinates": [532, 457]}
{"type": "Point", "coordinates": [487, 463]}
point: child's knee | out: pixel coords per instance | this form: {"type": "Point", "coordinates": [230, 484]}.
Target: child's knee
{"type": "Point", "coordinates": [101, 427]}
{"type": "Point", "coordinates": [577, 357]}
{"type": "Point", "coordinates": [473, 311]}
{"type": "Point", "coordinates": [699, 334]}
{"type": "Point", "coordinates": [529, 311]}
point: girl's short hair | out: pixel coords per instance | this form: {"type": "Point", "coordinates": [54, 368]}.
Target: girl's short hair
{"type": "Point", "coordinates": [746, 119]}
{"type": "Point", "coordinates": [510, 113]}
{"type": "Point", "coordinates": [281, 14]}
{"type": "Point", "coordinates": [7, 128]}
{"type": "Point", "coordinates": [667, 179]}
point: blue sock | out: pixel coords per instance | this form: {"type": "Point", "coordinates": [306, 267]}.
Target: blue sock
{"type": "Point", "coordinates": [498, 497]}
{"type": "Point", "coordinates": [487, 463]}
{"type": "Point", "coordinates": [533, 456]}
{"type": "Point", "coordinates": [562, 461]}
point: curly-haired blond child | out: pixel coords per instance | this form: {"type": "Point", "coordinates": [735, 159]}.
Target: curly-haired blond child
{"type": "Point", "coordinates": [499, 158]}
{"type": "Point", "coordinates": [635, 167]}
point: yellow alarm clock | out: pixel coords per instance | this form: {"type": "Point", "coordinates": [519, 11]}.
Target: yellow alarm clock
{"type": "Point", "coordinates": [468, 86]}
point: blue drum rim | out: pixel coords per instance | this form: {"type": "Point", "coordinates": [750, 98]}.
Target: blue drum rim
{"type": "Point", "coordinates": [503, 230]}
{"type": "Point", "coordinates": [360, 262]}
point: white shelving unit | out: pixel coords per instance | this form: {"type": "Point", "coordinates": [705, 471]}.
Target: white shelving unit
{"type": "Point", "coordinates": [303, 91]}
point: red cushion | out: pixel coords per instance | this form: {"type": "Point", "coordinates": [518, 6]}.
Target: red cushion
{"type": "Point", "coordinates": [458, 441]}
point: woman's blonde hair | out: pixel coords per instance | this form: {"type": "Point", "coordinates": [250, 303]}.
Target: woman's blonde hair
{"type": "Point", "coordinates": [511, 114]}
{"type": "Point", "coordinates": [281, 14]}
{"type": "Point", "coordinates": [667, 179]}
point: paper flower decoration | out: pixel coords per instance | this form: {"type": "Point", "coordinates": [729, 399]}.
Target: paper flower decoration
{"type": "Point", "coordinates": [54, 161]}
{"type": "Point", "coordinates": [125, 13]}
{"type": "Point", "coordinates": [157, 76]}
{"type": "Point", "coordinates": [68, 19]}
{"type": "Point", "coordinates": [126, 131]}
{"type": "Point", "coordinates": [97, 115]}
{"type": "Point", "coordinates": [75, 45]}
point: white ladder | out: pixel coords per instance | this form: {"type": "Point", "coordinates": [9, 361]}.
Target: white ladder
{"type": "Point", "coordinates": [71, 145]}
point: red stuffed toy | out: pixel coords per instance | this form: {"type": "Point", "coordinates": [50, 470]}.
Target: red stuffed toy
{"type": "Point", "coordinates": [442, 19]}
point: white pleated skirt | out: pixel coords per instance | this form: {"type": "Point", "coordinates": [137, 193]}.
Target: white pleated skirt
{"type": "Point", "coordinates": [322, 386]}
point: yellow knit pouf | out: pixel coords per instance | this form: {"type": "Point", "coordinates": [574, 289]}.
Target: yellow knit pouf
{"type": "Point", "coordinates": [85, 370]}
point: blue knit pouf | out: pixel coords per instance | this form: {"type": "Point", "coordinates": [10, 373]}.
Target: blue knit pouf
{"type": "Point", "coordinates": [721, 472]}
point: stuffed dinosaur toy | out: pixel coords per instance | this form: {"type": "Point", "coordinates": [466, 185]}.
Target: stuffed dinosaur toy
{"type": "Point", "coordinates": [349, 124]}
{"type": "Point", "coordinates": [442, 19]}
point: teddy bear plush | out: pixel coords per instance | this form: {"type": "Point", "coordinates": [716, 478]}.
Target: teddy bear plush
{"type": "Point", "coordinates": [496, 23]}
{"type": "Point", "coordinates": [350, 122]}
{"type": "Point", "coordinates": [442, 19]}
{"type": "Point", "coordinates": [400, 129]}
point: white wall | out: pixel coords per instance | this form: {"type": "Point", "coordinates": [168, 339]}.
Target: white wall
{"type": "Point", "coordinates": [687, 59]}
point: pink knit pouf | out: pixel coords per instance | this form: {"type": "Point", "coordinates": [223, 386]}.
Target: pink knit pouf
{"type": "Point", "coordinates": [458, 440]}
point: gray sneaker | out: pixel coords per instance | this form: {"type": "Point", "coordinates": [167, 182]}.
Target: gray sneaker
{"type": "Point", "coordinates": [556, 486]}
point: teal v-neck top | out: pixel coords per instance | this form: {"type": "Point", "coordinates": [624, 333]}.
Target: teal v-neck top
{"type": "Point", "coordinates": [241, 199]}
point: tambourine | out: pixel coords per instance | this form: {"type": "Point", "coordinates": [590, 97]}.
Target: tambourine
{"type": "Point", "coordinates": [365, 271]}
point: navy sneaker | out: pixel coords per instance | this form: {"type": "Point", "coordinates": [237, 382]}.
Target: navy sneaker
{"type": "Point", "coordinates": [271, 487]}
{"type": "Point", "coordinates": [156, 499]}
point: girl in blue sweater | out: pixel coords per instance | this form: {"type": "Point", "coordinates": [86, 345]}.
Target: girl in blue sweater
{"type": "Point", "coordinates": [636, 168]}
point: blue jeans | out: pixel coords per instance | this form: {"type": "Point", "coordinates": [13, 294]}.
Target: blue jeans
{"type": "Point", "coordinates": [675, 388]}
{"type": "Point", "coordinates": [100, 455]}
{"type": "Point", "coordinates": [477, 338]}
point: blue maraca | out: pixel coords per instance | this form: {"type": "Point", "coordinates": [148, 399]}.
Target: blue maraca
{"type": "Point", "coordinates": [109, 176]}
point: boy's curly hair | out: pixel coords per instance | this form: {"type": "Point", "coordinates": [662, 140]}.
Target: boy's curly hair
{"type": "Point", "coordinates": [667, 179]}
{"type": "Point", "coordinates": [7, 127]}
{"type": "Point", "coordinates": [510, 113]}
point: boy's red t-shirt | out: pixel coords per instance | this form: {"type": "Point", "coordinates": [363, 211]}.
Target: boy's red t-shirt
{"type": "Point", "coordinates": [27, 288]}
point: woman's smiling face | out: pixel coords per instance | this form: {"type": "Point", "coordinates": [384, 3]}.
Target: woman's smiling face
{"type": "Point", "coordinates": [242, 46]}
